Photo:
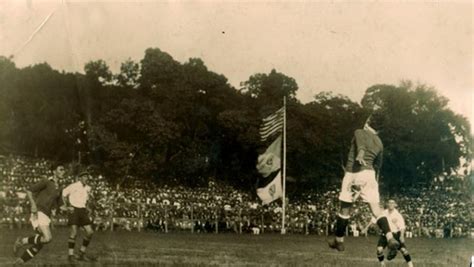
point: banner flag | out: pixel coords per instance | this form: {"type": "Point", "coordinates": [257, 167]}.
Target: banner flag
{"type": "Point", "coordinates": [272, 191]}
{"type": "Point", "coordinates": [270, 160]}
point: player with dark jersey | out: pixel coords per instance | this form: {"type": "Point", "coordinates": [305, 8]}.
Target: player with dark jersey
{"type": "Point", "coordinates": [365, 158]}
{"type": "Point", "coordinates": [44, 197]}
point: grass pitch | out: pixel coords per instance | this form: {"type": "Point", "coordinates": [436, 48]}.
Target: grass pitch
{"type": "Point", "coordinates": [185, 249]}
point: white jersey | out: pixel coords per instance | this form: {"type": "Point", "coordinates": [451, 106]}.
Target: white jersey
{"type": "Point", "coordinates": [78, 194]}
{"type": "Point", "coordinates": [395, 220]}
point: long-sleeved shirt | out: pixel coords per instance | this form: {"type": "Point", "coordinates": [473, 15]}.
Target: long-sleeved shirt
{"type": "Point", "coordinates": [46, 195]}
{"type": "Point", "coordinates": [372, 146]}
{"type": "Point", "coordinates": [77, 193]}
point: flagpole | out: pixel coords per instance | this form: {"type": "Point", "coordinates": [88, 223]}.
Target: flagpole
{"type": "Point", "coordinates": [283, 229]}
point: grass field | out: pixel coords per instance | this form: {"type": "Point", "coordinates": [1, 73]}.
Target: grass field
{"type": "Point", "coordinates": [186, 249]}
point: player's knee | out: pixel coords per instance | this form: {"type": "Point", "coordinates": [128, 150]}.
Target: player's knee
{"type": "Point", "coordinates": [345, 208]}
{"type": "Point", "coordinates": [73, 234]}
{"type": "Point", "coordinates": [379, 251]}
{"type": "Point", "coordinates": [89, 233]}
{"type": "Point", "coordinates": [73, 231]}
{"type": "Point", "coordinates": [404, 251]}
{"type": "Point", "coordinates": [45, 239]}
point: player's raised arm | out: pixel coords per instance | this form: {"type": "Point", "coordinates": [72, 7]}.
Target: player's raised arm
{"type": "Point", "coordinates": [65, 193]}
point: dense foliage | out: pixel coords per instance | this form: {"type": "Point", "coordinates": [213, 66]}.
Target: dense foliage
{"type": "Point", "coordinates": [181, 123]}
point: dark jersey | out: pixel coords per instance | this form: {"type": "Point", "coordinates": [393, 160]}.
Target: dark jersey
{"type": "Point", "coordinates": [46, 195]}
{"type": "Point", "coordinates": [372, 146]}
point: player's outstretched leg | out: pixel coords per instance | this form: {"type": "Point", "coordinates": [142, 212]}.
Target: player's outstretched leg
{"type": "Point", "coordinates": [25, 241]}
{"type": "Point", "coordinates": [383, 224]}
{"type": "Point", "coordinates": [341, 224]}
{"type": "Point", "coordinates": [406, 256]}
{"type": "Point", "coordinates": [37, 242]}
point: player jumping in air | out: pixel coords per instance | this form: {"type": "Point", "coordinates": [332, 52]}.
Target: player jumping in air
{"type": "Point", "coordinates": [365, 157]}
{"type": "Point", "coordinates": [44, 196]}
{"type": "Point", "coordinates": [397, 226]}
{"type": "Point", "coordinates": [77, 194]}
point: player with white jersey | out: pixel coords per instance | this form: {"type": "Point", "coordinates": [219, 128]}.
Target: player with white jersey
{"type": "Point", "coordinates": [76, 196]}
{"type": "Point", "coordinates": [397, 226]}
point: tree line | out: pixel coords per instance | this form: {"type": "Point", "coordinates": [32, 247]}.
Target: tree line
{"type": "Point", "coordinates": [180, 123]}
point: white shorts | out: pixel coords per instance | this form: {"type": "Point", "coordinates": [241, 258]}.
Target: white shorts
{"type": "Point", "coordinates": [42, 220]}
{"type": "Point", "coordinates": [360, 184]}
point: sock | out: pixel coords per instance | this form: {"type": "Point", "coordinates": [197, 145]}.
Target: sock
{"type": "Point", "coordinates": [85, 243]}
{"type": "Point", "coordinates": [380, 256]}
{"type": "Point", "coordinates": [341, 224]}
{"type": "Point", "coordinates": [407, 257]}
{"type": "Point", "coordinates": [31, 252]}
{"type": "Point", "coordinates": [32, 240]}
{"type": "Point", "coordinates": [71, 243]}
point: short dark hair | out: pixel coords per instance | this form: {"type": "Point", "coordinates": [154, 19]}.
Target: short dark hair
{"type": "Point", "coordinates": [55, 165]}
{"type": "Point", "coordinates": [83, 173]}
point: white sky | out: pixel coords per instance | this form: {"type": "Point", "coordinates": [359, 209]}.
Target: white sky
{"type": "Point", "coordinates": [342, 47]}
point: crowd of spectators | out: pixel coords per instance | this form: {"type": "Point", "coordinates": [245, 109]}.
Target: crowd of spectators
{"type": "Point", "coordinates": [439, 210]}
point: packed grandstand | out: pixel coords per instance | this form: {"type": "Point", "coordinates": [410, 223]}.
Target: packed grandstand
{"type": "Point", "coordinates": [440, 209]}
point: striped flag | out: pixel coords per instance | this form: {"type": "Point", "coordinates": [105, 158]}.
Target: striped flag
{"type": "Point", "coordinates": [272, 124]}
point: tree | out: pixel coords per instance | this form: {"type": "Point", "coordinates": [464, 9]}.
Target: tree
{"type": "Point", "coordinates": [270, 87]}
{"type": "Point", "coordinates": [98, 71]}
{"type": "Point", "coordinates": [129, 74]}
{"type": "Point", "coordinates": [422, 137]}
{"type": "Point", "coordinates": [159, 71]}
{"type": "Point", "coordinates": [39, 105]}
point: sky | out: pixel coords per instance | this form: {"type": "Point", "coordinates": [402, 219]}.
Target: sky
{"type": "Point", "coordinates": [334, 46]}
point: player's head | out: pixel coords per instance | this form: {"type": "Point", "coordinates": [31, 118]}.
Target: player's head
{"type": "Point", "coordinates": [84, 177]}
{"type": "Point", "coordinates": [373, 122]}
{"type": "Point", "coordinates": [58, 170]}
{"type": "Point", "coordinates": [391, 204]}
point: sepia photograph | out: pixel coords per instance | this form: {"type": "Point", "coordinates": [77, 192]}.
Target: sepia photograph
{"type": "Point", "coordinates": [236, 133]}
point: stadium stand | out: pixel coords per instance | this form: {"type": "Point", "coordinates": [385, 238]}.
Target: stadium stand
{"type": "Point", "coordinates": [435, 211]}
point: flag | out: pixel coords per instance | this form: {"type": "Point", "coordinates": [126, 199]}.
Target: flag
{"type": "Point", "coordinates": [270, 160]}
{"type": "Point", "coordinates": [272, 191]}
{"type": "Point", "coordinates": [272, 124]}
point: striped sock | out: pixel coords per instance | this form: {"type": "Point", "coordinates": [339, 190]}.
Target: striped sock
{"type": "Point", "coordinates": [380, 256]}
{"type": "Point", "coordinates": [31, 252]}
{"type": "Point", "coordinates": [341, 224]}
{"type": "Point", "coordinates": [33, 240]}
{"type": "Point", "coordinates": [85, 244]}
{"type": "Point", "coordinates": [71, 243]}
{"type": "Point", "coordinates": [407, 257]}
